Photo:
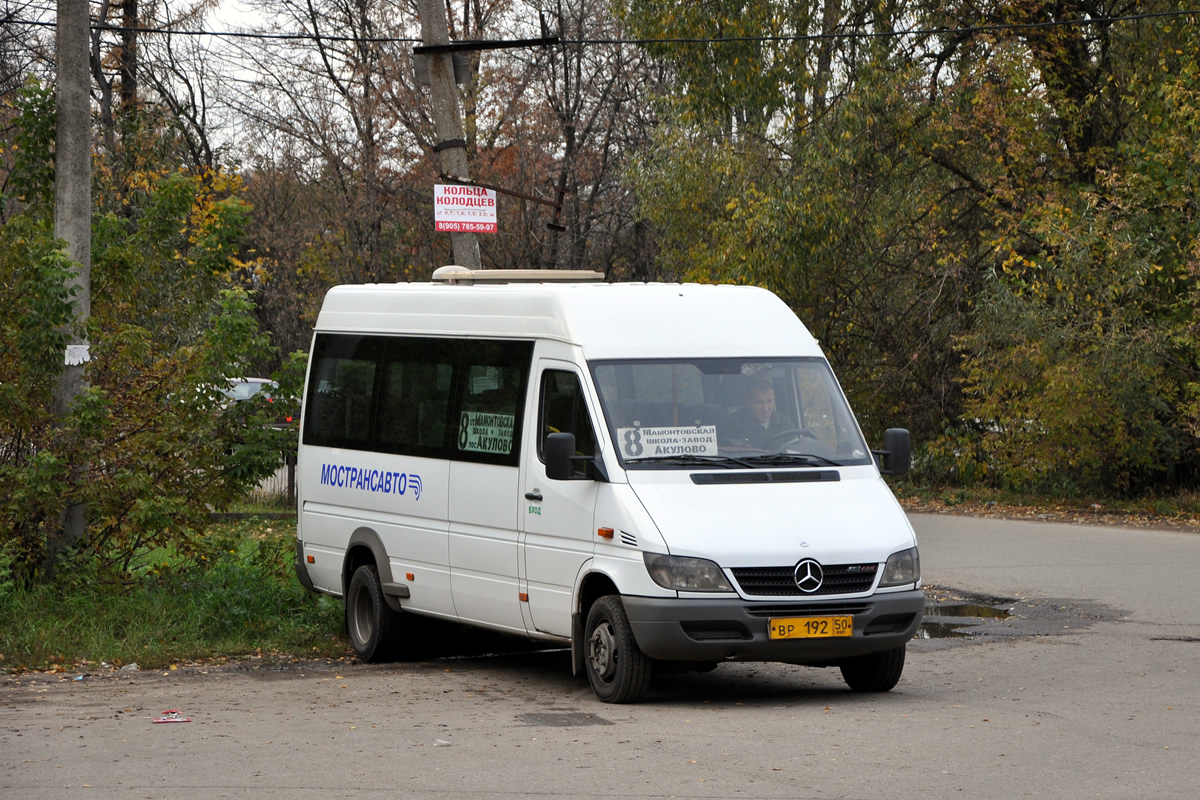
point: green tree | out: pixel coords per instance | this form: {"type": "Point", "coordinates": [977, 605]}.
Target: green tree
{"type": "Point", "coordinates": [1084, 361]}
{"type": "Point", "coordinates": [992, 232]}
{"type": "Point", "coordinates": [158, 442]}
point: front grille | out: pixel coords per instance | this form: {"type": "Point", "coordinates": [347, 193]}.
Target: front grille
{"type": "Point", "coordinates": [839, 579]}
{"type": "Point", "coordinates": [768, 610]}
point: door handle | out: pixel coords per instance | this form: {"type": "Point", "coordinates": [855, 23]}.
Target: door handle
{"type": "Point", "coordinates": [535, 495]}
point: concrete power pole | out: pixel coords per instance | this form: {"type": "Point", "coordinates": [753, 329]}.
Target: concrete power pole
{"type": "Point", "coordinates": [73, 210]}
{"type": "Point", "coordinates": [451, 144]}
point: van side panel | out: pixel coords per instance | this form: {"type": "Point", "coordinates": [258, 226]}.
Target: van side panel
{"type": "Point", "coordinates": [403, 500]}
{"type": "Point", "coordinates": [483, 544]}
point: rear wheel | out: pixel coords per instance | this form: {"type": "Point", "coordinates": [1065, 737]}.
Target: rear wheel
{"type": "Point", "coordinates": [618, 671]}
{"type": "Point", "coordinates": [373, 626]}
{"type": "Point", "coordinates": [878, 672]}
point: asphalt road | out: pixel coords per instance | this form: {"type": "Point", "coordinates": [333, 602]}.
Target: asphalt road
{"type": "Point", "coordinates": [1088, 688]}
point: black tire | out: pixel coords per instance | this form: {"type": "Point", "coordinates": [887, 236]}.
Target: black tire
{"type": "Point", "coordinates": [618, 671]}
{"type": "Point", "coordinates": [878, 672]}
{"type": "Point", "coordinates": [373, 626]}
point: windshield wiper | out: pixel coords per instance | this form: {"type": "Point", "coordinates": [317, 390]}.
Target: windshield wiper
{"type": "Point", "coordinates": [692, 460]}
{"type": "Point", "coordinates": [805, 459]}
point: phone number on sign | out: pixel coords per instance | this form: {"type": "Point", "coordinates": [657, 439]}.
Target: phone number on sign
{"type": "Point", "coordinates": [467, 227]}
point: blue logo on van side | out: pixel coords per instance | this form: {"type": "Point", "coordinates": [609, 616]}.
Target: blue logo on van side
{"type": "Point", "coordinates": [371, 480]}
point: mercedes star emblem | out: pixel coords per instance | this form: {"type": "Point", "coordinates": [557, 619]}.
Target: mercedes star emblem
{"type": "Point", "coordinates": [809, 576]}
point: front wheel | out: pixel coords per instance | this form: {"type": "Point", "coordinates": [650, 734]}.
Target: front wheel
{"type": "Point", "coordinates": [877, 672]}
{"type": "Point", "coordinates": [373, 626]}
{"type": "Point", "coordinates": [617, 669]}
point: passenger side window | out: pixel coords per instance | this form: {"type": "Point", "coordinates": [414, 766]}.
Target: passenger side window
{"type": "Point", "coordinates": [562, 409]}
{"type": "Point", "coordinates": [428, 397]}
{"type": "Point", "coordinates": [341, 387]}
{"type": "Point", "coordinates": [495, 378]}
{"type": "Point", "coordinates": [414, 398]}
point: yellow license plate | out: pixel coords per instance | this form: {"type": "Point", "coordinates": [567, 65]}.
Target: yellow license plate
{"type": "Point", "coordinates": [810, 627]}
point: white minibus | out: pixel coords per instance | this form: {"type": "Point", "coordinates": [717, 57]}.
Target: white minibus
{"type": "Point", "coordinates": [661, 476]}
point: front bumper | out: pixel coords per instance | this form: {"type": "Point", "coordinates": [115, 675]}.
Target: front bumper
{"type": "Point", "coordinates": [682, 629]}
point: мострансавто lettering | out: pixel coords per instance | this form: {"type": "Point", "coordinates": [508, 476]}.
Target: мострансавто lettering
{"type": "Point", "coordinates": [366, 480]}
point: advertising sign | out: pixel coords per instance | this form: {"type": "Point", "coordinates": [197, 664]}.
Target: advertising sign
{"type": "Point", "coordinates": [464, 209]}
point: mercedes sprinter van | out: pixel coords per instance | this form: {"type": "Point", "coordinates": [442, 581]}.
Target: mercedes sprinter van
{"type": "Point", "coordinates": [648, 473]}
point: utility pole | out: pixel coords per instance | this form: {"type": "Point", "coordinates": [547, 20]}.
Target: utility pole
{"type": "Point", "coordinates": [73, 215]}
{"type": "Point", "coordinates": [451, 144]}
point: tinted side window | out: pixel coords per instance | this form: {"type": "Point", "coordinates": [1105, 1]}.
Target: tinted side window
{"type": "Point", "coordinates": [437, 398]}
{"type": "Point", "coordinates": [493, 380]}
{"type": "Point", "coordinates": [414, 397]}
{"type": "Point", "coordinates": [384, 393]}
{"type": "Point", "coordinates": [341, 389]}
{"type": "Point", "coordinates": [563, 410]}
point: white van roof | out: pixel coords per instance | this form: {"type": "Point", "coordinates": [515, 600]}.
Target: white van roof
{"type": "Point", "coordinates": [608, 321]}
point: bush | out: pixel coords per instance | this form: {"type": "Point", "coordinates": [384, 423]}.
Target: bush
{"type": "Point", "coordinates": [233, 594]}
{"type": "Point", "coordinates": [151, 444]}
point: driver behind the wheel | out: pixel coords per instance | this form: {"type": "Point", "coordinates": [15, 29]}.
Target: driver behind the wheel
{"type": "Point", "coordinates": [757, 421]}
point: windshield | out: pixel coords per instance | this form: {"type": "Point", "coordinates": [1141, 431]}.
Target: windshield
{"type": "Point", "coordinates": [728, 412]}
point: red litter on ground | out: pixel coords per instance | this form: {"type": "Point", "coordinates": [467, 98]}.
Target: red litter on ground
{"type": "Point", "coordinates": [172, 716]}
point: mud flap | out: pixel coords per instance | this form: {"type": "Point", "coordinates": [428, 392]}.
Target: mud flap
{"type": "Point", "coordinates": [577, 651]}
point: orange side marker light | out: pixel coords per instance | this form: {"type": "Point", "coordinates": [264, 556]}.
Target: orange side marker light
{"type": "Point", "coordinates": [605, 533]}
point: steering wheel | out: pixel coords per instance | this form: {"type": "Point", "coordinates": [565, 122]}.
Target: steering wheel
{"type": "Point", "coordinates": [783, 437]}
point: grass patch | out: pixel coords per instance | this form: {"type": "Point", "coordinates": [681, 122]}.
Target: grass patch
{"type": "Point", "coordinates": [237, 597]}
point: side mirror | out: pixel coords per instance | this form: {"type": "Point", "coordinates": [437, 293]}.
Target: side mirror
{"type": "Point", "coordinates": [561, 461]}
{"type": "Point", "coordinates": [896, 456]}
{"type": "Point", "coordinates": [558, 452]}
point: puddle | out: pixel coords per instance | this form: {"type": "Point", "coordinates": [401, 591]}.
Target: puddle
{"type": "Point", "coordinates": [962, 617]}
{"type": "Point", "coordinates": [965, 610]}
{"type": "Point", "coordinates": [941, 630]}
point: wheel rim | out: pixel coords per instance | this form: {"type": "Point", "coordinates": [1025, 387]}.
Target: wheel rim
{"type": "Point", "coordinates": [602, 651]}
{"type": "Point", "coordinates": [361, 617]}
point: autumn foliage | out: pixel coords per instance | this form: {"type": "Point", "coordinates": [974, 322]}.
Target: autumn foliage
{"type": "Point", "coordinates": [152, 444]}
{"type": "Point", "coordinates": [987, 213]}
{"type": "Point", "coordinates": [990, 223]}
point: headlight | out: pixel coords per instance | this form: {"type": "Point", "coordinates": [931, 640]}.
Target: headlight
{"type": "Point", "coordinates": [686, 574]}
{"type": "Point", "coordinates": [903, 567]}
